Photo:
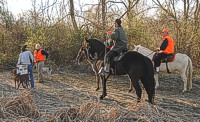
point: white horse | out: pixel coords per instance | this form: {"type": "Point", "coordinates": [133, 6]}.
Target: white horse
{"type": "Point", "coordinates": [182, 63]}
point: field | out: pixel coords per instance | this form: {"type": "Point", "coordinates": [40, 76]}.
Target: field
{"type": "Point", "coordinates": [69, 95]}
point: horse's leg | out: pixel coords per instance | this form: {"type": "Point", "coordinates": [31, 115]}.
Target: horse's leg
{"type": "Point", "coordinates": [131, 86]}
{"type": "Point", "coordinates": [189, 74]}
{"type": "Point", "coordinates": [24, 81]}
{"type": "Point", "coordinates": [156, 79]}
{"type": "Point", "coordinates": [184, 78]}
{"type": "Point", "coordinates": [149, 86]}
{"type": "Point", "coordinates": [136, 85]}
{"type": "Point", "coordinates": [19, 82]}
{"type": "Point", "coordinates": [104, 87]}
{"type": "Point", "coordinates": [95, 69]}
{"type": "Point", "coordinates": [15, 80]}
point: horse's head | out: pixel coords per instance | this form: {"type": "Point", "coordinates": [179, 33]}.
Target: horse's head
{"type": "Point", "coordinates": [137, 47]}
{"type": "Point", "coordinates": [82, 54]}
{"type": "Point", "coordinates": [92, 50]}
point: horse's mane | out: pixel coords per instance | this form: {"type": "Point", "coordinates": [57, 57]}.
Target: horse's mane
{"type": "Point", "coordinates": [97, 46]}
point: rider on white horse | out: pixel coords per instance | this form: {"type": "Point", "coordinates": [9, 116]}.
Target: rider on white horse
{"type": "Point", "coordinates": [166, 49]}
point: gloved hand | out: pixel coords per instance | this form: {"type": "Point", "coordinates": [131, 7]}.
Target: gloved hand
{"type": "Point", "coordinates": [158, 49]}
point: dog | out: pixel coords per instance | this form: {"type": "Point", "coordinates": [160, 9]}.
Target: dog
{"type": "Point", "coordinates": [20, 79]}
{"type": "Point", "coordinates": [48, 70]}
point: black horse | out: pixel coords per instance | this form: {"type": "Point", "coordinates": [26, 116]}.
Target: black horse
{"type": "Point", "coordinates": [137, 66]}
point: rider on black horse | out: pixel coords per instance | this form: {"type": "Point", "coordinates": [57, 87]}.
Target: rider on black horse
{"type": "Point", "coordinates": [120, 44]}
{"type": "Point", "coordinates": [166, 49]}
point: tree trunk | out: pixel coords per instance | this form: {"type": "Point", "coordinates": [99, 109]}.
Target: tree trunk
{"type": "Point", "coordinates": [73, 15]}
{"type": "Point", "coordinates": [104, 16]}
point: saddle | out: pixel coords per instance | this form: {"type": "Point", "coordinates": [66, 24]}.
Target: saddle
{"type": "Point", "coordinates": [120, 55]}
{"type": "Point", "coordinates": [169, 58]}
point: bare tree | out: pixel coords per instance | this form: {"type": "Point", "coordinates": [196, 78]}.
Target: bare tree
{"type": "Point", "coordinates": [104, 16]}
{"type": "Point", "coordinates": [73, 15]}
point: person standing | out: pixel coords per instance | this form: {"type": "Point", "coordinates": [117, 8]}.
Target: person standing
{"type": "Point", "coordinates": [39, 57]}
{"type": "Point", "coordinates": [166, 49]}
{"type": "Point", "coordinates": [26, 58]}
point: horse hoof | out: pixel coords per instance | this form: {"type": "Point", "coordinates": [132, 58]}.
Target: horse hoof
{"type": "Point", "coordinates": [150, 101]}
{"type": "Point", "coordinates": [97, 89]}
{"type": "Point", "coordinates": [138, 100]}
{"type": "Point", "coordinates": [101, 98]}
{"type": "Point", "coordinates": [156, 87]}
{"type": "Point", "coordinates": [153, 103]}
{"type": "Point", "coordinates": [184, 91]}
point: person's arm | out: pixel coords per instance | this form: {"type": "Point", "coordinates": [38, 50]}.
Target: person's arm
{"type": "Point", "coordinates": [45, 53]}
{"type": "Point", "coordinates": [31, 57]}
{"type": "Point", "coordinates": [164, 45]}
{"type": "Point", "coordinates": [115, 34]}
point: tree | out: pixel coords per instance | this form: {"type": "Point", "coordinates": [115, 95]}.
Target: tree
{"type": "Point", "coordinates": [73, 15]}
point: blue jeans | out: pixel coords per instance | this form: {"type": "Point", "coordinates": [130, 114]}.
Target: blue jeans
{"type": "Point", "coordinates": [30, 70]}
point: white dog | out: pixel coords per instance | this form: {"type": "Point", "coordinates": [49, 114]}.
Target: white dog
{"type": "Point", "coordinates": [48, 70]}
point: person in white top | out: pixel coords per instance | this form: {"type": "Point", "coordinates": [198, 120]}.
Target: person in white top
{"type": "Point", "coordinates": [26, 57]}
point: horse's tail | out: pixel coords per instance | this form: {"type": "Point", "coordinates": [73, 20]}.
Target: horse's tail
{"type": "Point", "coordinates": [189, 74]}
{"type": "Point", "coordinates": [149, 72]}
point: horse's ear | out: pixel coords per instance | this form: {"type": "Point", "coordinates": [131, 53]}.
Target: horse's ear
{"type": "Point", "coordinates": [85, 42]}
{"type": "Point", "coordinates": [86, 39]}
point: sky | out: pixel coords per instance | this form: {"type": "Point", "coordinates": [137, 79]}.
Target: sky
{"type": "Point", "coordinates": [20, 6]}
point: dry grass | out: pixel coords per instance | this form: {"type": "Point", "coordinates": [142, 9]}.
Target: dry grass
{"type": "Point", "coordinates": [71, 96]}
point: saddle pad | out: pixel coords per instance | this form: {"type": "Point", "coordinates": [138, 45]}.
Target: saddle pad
{"type": "Point", "coordinates": [169, 58]}
{"type": "Point", "coordinates": [22, 69]}
{"type": "Point", "coordinates": [117, 58]}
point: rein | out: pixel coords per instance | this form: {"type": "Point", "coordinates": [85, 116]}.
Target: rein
{"type": "Point", "coordinates": [150, 53]}
{"type": "Point", "coordinates": [146, 55]}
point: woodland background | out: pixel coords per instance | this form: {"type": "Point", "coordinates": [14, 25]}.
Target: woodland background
{"type": "Point", "coordinates": [60, 27]}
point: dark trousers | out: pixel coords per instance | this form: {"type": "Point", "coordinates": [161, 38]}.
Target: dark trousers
{"type": "Point", "coordinates": [158, 58]}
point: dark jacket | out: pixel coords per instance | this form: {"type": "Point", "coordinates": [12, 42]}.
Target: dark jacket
{"type": "Point", "coordinates": [164, 44]}
{"type": "Point", "coordinates": [120, 39]}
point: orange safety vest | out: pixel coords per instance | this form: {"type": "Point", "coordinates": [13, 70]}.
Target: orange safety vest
{"type": "Point", "coordinates": [38, 56]}
{"type": "Point", "coordinates": [170, 47]}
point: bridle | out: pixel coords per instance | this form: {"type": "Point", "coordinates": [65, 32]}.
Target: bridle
{"type": "Point", "coordinates": [85, 50]}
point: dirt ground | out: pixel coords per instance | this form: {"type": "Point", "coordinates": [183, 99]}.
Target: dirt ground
{"type": "Point", "coordinates": [75, 86]}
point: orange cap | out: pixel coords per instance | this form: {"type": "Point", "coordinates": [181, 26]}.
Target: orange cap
{"type": "Point", "coordinates": [109, 32]}
{"type": "Point", "coordinates": [165, 30]}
